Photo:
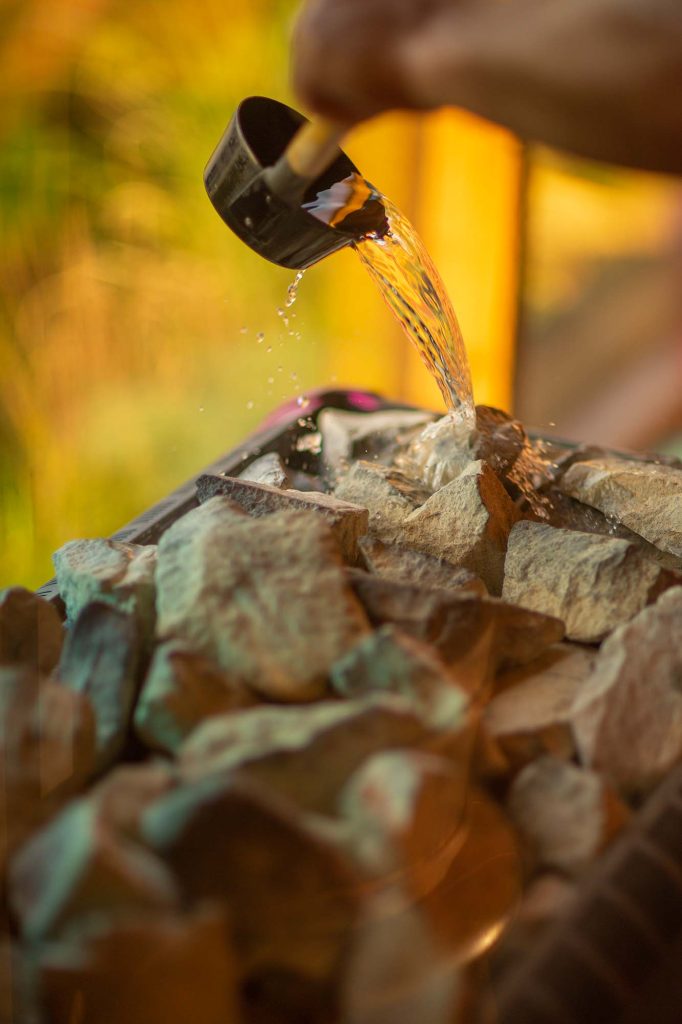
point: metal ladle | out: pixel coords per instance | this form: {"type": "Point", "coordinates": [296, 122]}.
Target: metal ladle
{"type": "Point", "coordinates": [272, 163]}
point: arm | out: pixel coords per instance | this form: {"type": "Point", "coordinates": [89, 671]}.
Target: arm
{"type": "Point", "coordinates": [602, 78]}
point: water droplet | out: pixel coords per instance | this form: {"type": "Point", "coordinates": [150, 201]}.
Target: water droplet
{"type": "Point", "coordinates": [260, 336]}
{"type": "Point", "coordinates": [243, 330]}
{"type": "Point", "coordinates": [551, 424]}
{"type": "Point", "coordinates": [293, 375]}
{"type": "Point", "coordinates": [302, 402]}
{"type": "Point", "coordinates": [280, 369]}
{"type": "Point", "coordinates": [310, 443]}
{"type": "Point", "coordinates": [249, 405]}
{"type": "Point", "coordinates": [269, 349]}
{"type": "Point", "coordinates": [271, 380]}
{"type": "Point", "coordinates": [201, 408]}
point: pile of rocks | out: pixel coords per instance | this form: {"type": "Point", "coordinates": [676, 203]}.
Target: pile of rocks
{"type": "Point", "coordinates": [304, 759]}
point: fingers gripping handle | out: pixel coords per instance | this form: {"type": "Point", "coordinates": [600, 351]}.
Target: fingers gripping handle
{"type": "Point", "coordinates": [309, 153]}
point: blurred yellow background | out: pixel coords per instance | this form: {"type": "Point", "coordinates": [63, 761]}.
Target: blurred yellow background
{"type": "Point", "coordinates": [129, 314]}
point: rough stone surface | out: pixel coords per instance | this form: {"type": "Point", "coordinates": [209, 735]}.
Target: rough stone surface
{"type": "Point", "coordinates": [76, 866]}
{"type": "Point", "coordinates": [531, 715]}
{"type": "Point", "coordinates": [353, 435]}
{"type": "Point", "coordinates": [348, 522]}
{"type": "Point", "coordinates": [628, 717]}
{"type": "Point", "coordinates": [283, 748]}
{"type": "Point", "coordinates": [181, 690]}
{"type": "Point", "coordinates": [268, 469]}
{"type": "Point", "coordinates": [267, 599]}
{"type": "Point", "coordinates": [387, 661]}
{"type": "Point", "coordinates": [405, 565]}
{"type": "Point", "coordinates": [290, 894]}
{"type": "Point", "coordinates": [30, 630]}
{"type": "Point", "coordinates": [387, 494]}
{"type": "Point", "coordinates": [160, 969]}
{"type": "Point", "coordinates": [107, 570]}
{"type": "Point", "coordinates": [100, 660]}
{"type": "Point", "coordinates": [123, 795]}
{"type": "Point", "coordinates": [407, 814]}
{"type": "Point", "coordinates": [593, 583]}
{"type": "Point", "coordinates": [467, 523]}
{"type": "Point", "coordinates": [47, 751]}
{"type": "Point", "coordinates": [565, 814]}
{"type": "Point", "coordinates": [645, 496]}
{"type": "Point", "coordinates": [471, 634]}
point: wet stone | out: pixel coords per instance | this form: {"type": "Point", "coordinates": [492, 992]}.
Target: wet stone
{"type": "Point", "coordinates": [77, 866]}
{"type": "Point", "coordinates": [180, 691]}
{"type": "Point", "coordinates": [105, 570]}
{"type": "Point", "coordinates": [30, 630]}
{"type": "Point", "coordinates": [268, 469]}
{"type": "Point", "coordinates": [283, 747]}
{"type": "Point", "coordinates": [347, 522]}
{"type": "Point", "coordinates": [387, 494]}
{"type": "Point", "coordinates": [351, 435]}
{"type": "Point", "coordinates": [266, 599]}
{"type": "Point", "coordinates": [291, 896]}
{"type": "Point", "coordinates": [100, 660]}
{"type": "Point", "coordinates": [627, 718]}
{"type": "Point", "coordinates": [646, 497]}
{"type": "Point", "coordinates": [393, 562]}
{"type": "Point", "coordinates": [142, 970]}
{"type": "Point", "coordinates": [565, 814]}
{"type": "Point", "coordinates": [593, 583]}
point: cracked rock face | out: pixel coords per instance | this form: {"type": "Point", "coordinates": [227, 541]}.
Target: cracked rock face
{"type": "Point", "coordinates": [405, 565]}
{"type": "Point", "coordinates": [267, 600]}
{"type": "Point", "coordinates": [592, 583]}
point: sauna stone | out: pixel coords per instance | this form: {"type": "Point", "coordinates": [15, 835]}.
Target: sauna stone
{"type": "Point", "coordinates": [292, 906]}
{"type": "Point", "coordinates": [387, 494]}
{"type": "Point", "coordinates": [393, 562]}
{"type": "Point", "coordinates": [565, 814]}
{"type": "Point", "coordinates": [30, 630]}
{"type": "Point", "coordinates": [627, 719]}
{"type": "Point", "coordinates": [76, 866]}
{"type": "Point", "coordinates": [645, 496]}
{"type": "Point", "coordinates": [352, 435]}
{"type": "Point", "coordinates": [407, 811]}
{"type": "Point", "coordinates": [466, 523]}
{"type": "Point", "coordinates": [142, 970]}
{"type": "Point", "coordinates": [180, 691]}
{"type": "Point", "coordinates": [106, 570]}
{"type": "Point", "coordinates": [348, 522]}
{"type": "Point", "coordinates": [266, 599]}
{"type": "Point", "coordinates": [100, 660]}
{"type": "Point", "coordinates": [304, 753]}
{"type": "Point", "coordinates": [268, 469]}
{"type": "Point", "coordinates": [531, 715]}
{"type": "Point", "coordinates": [593, 583]}
{"type": "Point", "coordinates": [123, 794]}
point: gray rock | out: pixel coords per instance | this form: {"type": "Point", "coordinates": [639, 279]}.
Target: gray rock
{"type": "Point", "coordinates": [180, 691]}
{"type": "Point", "coordinates": [282, 748]}
{"type": "Point", "coordinates": [347, 522]}
{"type": "Point", "coordinates": [441, 452]}
{"type": "Point", "coordinates": [75, 867]}
{"type": "Point", "coordinates": [30, 630]}
{"type": "Point", "coordinates": [387, 494]}
{"type": "Point", "coordinates": [268, 469]}
{"type": "Point", "coordinates": [644, 496]}
{"type": "Point", "coordinates": [266, 599]}
{"type": "Point", "coordinates": [532, 713]}
{"type": "Point", "coordinates": [593, 583]}
{"type": "Point", "coordinates": [291, 896]}
{"type": "Point", "coordinates": [100, 660]}
{"type": "Point", "coordinates": [393, 562]}
{"type": "Point", "coordinates": [353, 435]}
{"type": "Point", "coordinates": [105, 570]}
{"type": "Point", "coordinates": [143, 970]}
{"type": "Point", "coordinates": [627, 719]}
{"type": "Point", "coordinates": [565, 814]}
{"type": "Point", "coordinates": [466, 523]}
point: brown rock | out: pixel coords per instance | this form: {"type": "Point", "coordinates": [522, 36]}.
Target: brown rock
{"type": "Point", "coordinates": [182, 689]}
{"type": "Point", "coordinates": [644, 496]}
{"type": "Point", "coordinates": [105, 570]}
{"type": "Point", "coordinates": [77, 866]}
{"type": "Point", "coordinates": [47, 751]}
{"type": "Point", "coordinates": [593, 583]}
{"type": "Point", "coordinates": [160, 969]}
{"type": "Point", "coordinates": [100, 660]}
{"type": "Point", "coordinates": [467, 523]}
{"type": "Point", "coordinates": [283, 748]}
{"type": "Point", "coordinates": [268, 469]}
{"type": "Point", "coordinates": [565, 814]}
{"type": "Point", "coordinates": [290, 894]}
{"type": "Point", "coordinates": [387, 494]}
{"type": "Point", "coordinates": [347, 522]}
{"type": "Point", "coordinates": [123, 795]}
{"type": "Point", "coordinates": [405, 565]}
{"type": "Point", "coordinates": [267, 599]}
{"type": "Point", "coordinates": [30, 630]}
{"type": "Point", "coordinates": [532, 713]}
{"type": "Point", "coordinates": [474, 635]}
{"type": "Point", "coordinates": [628, 717]}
